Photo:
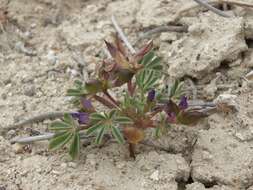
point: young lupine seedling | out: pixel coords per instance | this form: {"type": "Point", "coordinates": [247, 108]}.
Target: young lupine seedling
{"type": "Point", "coordinates": [146, 102]}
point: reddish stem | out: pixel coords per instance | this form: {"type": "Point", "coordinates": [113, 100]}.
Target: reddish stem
{"type": "Point", "coordinates": [111, 98]}
{"type": "Point", "coordinates": [131, 88]}
{"type": "Point", "coordinates": [131, 149]}
{"type": "Point", "coordinates": [104, 101]}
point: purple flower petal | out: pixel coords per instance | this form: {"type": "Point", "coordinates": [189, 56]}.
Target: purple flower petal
{"type": "Point", "coordinates": [86, 104]}
{"type": "Point", "coordinates": [183, 104]}
{"type": "Point", "coordinates": [151, 95]}
{"type": "Point", "coordinates": [82, 117]}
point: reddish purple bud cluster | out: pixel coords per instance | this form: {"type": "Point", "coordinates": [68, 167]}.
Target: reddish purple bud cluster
{"type": "Point", "coordinates": [151, 95]}
{"type": "Point", "coordinates": [82, 117]}
{"type": "Point", "coordinates": [173, 109]}
{"type": "Point", "coordinates": [183, 104]}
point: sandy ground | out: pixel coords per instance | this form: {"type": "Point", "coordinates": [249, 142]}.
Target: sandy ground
{"type": "Point", "coordinates": [45, 45]}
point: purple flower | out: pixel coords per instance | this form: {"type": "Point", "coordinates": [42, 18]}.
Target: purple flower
{"type": "Point", "coordinates": [173, 110]}
{"type": "Point", "coordinates": [151, 95]}
{"type": "Point", "coordinates": [183, 104]}
{"type": "Point", "coordinates": [82, 117]}
{"type": "Point", "coordinates": [86, 103]}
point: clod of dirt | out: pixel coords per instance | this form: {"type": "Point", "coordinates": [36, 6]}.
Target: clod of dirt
{"type": "Point", "coordinates": [249, 75]}
{"type": "Point", "coordinates": [199, 186]}
{"type": "Point", "coordinates": [157, 12]}
{"type": "Point", "coordinates": [5, 150]}
{"type": "Point", "coordinates": [149, 171]}
{"type": "Point", "coordinates": [217, 158]}
{"type": "Point", "coordinates": [227, 102]}
{"type": "Point", "coordinates": [248, 58]}
{"type": "Point", "coordinates": [211, 89]}
{"type": "Point", "coordinates": [125, 16]}
{"type": "Point", "coordinates": [77, 35]}
{"type": "Point", "coordinates": [197, 54]}
{"type": "Point", "coordinates": [248, 16]}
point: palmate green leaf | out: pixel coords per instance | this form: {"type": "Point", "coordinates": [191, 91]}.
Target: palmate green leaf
{"type": "Point", "coordinates": [60, 140]}
{"type": "Point", "coordinates": [75, 92]}
{"type": "Point", "coordinates": [176, 89]}
{"type": "Point", "coordinates": [75, 146]}
{"type": "Point", "coordinates": [68, 119]}
{"type": "Point", "coordinates": [117, 135]}
{"type": "Point", "coordinates": [148, 77]}
{"type": "Point", "coordinates": [78, 91]}
{"type": "Point", "coordinates": [151, 62]}
{"type": "Point", "coordinates": [112, 113]}
{"type": "Point", "coordinates": [78, 84]}
{"type": "Point", "coordinates": [122, 120]}
{"type": "Point", "coordinates": [97, 117]}
{"type": "Point", "coordinates": [94, 128]}
{"type": "Point", "coordinates": [133, 103]}
{"type": "Point", "coordinates": [59, 126]}
{"type": "Point", "coordinates": [100, 134]}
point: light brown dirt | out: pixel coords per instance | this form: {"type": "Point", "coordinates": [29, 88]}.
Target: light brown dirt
{"type": "Point", "coordinates": [39, 47]}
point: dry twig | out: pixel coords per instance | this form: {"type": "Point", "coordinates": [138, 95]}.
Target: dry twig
{"type": "Point", "coordinates": [122, 35]}
{"type": "Point", "coordinates": [180, 13]}
{"type": "Point", "coordinates": [211, 8]}
{"type": "Point", "coordinates": [38, 118]}
{"type": "Point", "coordinates": [48, 136]}
{"type": "Point", "coordinates": [161, 29]}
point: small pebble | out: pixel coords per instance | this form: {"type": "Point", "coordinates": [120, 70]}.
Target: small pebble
{"type": "Point", "coordinates": [11, 133]}
{"type": "Point", "coordinates": [155, 175]}
{"type": "Point", "coordinates": [29, 90]}
{"type": "Point", "coordinates": [249, 76]}
{"type": "Point", "coordinates": [18, 148]}
{"type": "Point", "coordinates": [72, 164]}
{"type": "Point", "coordinates": [4, 96]}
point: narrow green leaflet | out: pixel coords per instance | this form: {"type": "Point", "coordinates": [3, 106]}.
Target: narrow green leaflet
{"type": "Point", "coordinates": [78, 91]}
{"type": "Point", "coordinates": [59, 126]}
{"type": "Point", "coordinates": [148, 77]}
{"type": "Point", "coordinates": [94, 128]}
{"type": "Point", "coordinates": [97, 117]}
{"type": "Point", "coordinates": [123, 120]}
{"type": "Point", "coordinates": [151, 62]}
{"type": "Point", "coordinates": [176, 89]}
{"type": "Point", "coordinates": [68, 119]}
{"type": "Point", "coordinates": [117, 134]}
{"type": "Point", "coordinates": [100, 135]}
{"type": "Point", "coordinates": [75, 146]}
{"type": "Point", "coordinates": [74, 92]}
{"type": "Point", "coordinates": [112, 113]}
{"type": "Point", "coordinates": [157, 132]}
{"type": "Point", "coordinates": [60, 140]}
{"type": "Point", "coordinates": [78, 84]}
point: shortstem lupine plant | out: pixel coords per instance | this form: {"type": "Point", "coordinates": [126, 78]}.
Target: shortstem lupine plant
{"type": "Point", "coordinates": [145, 104]}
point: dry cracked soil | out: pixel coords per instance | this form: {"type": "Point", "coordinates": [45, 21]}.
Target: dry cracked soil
{"type": "Point", "coordinates": [45, 45]}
